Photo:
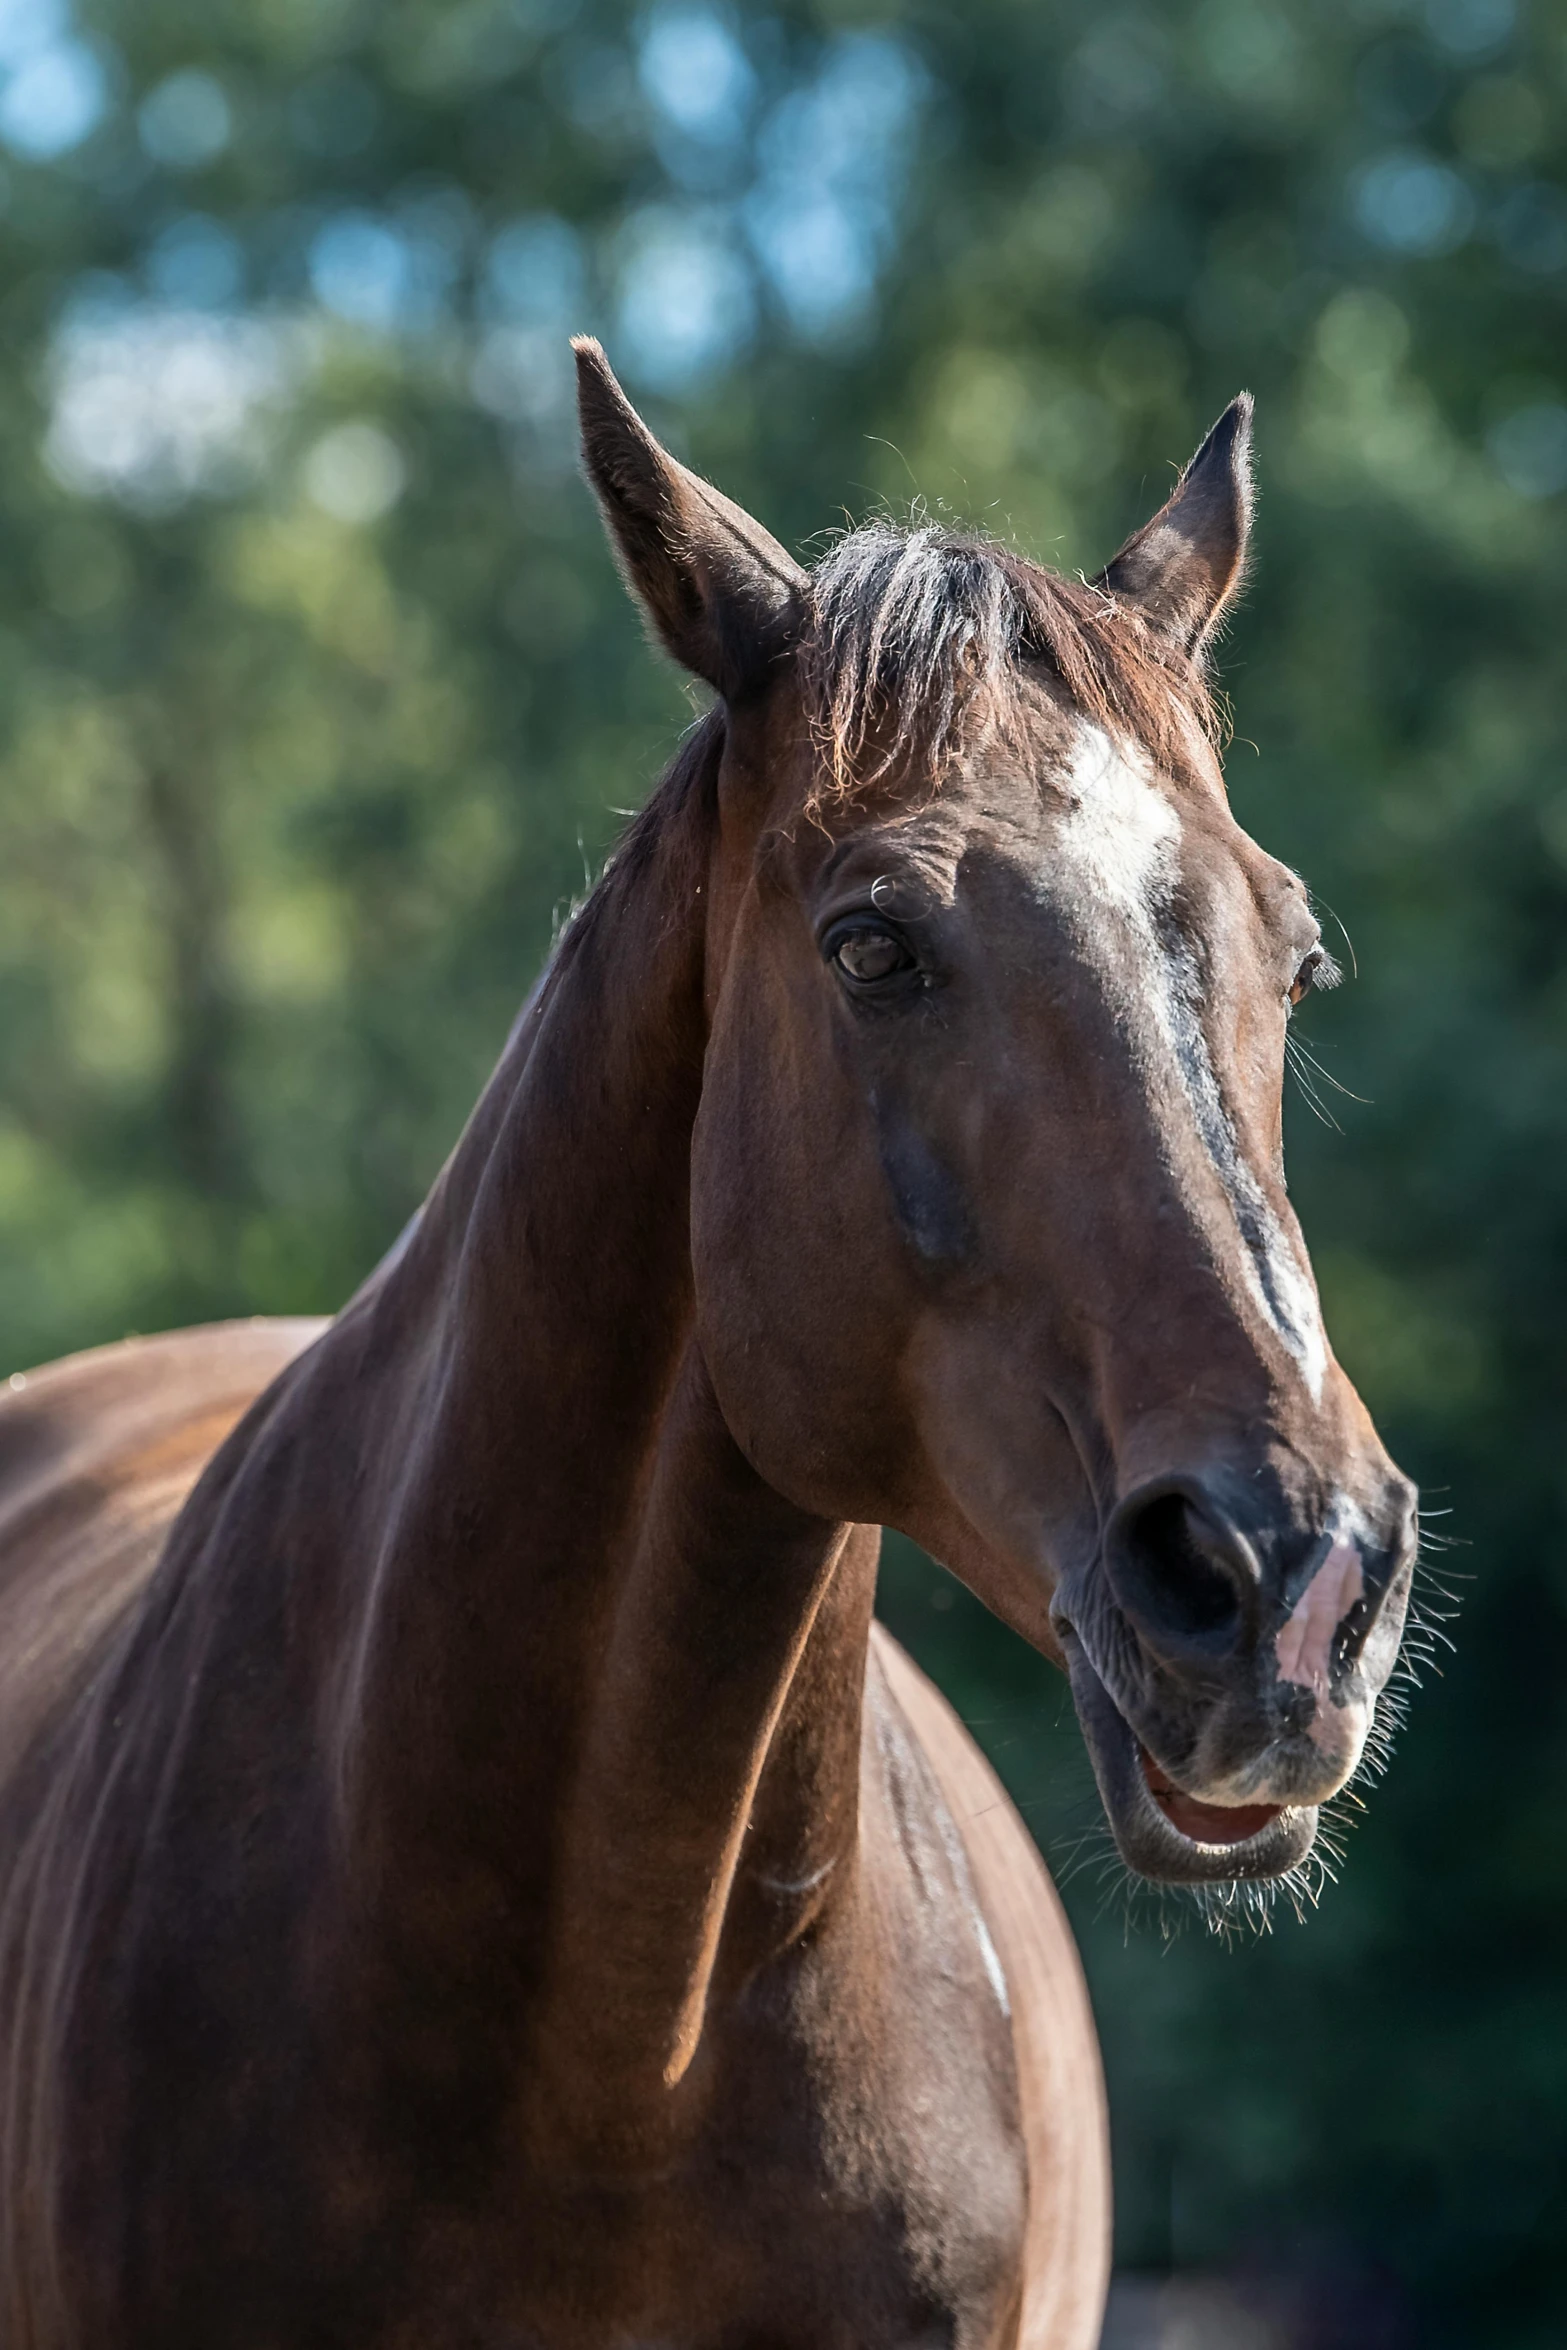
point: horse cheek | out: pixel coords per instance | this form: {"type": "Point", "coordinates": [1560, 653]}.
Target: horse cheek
{"type": "Point", "coordinates": [801, 1305]}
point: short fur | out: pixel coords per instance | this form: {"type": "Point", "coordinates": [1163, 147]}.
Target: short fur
{"type": "Point", "coordinates": [470, 1874]}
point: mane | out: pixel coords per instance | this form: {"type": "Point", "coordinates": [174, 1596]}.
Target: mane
{"type": "Point", "coordinates": [915, 630]}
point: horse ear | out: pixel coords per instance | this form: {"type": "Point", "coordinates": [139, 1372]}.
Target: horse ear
{"type": "Point", "coordinates": [720, 592]}
{"type": "Point", "coordinates": [1184, 566]}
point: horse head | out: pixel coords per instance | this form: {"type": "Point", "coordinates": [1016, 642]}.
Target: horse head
{"type": "Point", "coordinates": [990, 1237]}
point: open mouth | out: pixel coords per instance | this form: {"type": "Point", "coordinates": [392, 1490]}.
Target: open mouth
{"type": "Point", "coordinates": [1205, 1823]}
{"type": "Point", "coordinates": [1159, 1829]}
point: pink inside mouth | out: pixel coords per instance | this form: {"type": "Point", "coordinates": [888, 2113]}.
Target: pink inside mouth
{"type": "Point", "coordinates": [1205, 1823]}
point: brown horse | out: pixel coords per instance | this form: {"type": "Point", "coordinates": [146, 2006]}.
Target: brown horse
{"type": "Point", "coordinates": [470, 1874]}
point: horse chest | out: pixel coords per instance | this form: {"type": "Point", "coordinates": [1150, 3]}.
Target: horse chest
{"type": "Point", "coordinates": [858, 2177]}
{"type": "Point", "coordinates": [838, 2197]}
{"type": "Point", "coordinates": [853, 2179]}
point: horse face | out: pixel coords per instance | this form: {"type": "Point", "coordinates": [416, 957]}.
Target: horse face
{"type": "Point", "coordinates": [993, 1245]}
{"type": "Point", "coordinates": [990, 1234]}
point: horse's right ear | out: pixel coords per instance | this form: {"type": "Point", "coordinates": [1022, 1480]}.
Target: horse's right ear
{"type": "Point", "coordinates": [719, 591]}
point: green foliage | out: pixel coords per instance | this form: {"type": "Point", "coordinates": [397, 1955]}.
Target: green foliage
{"type": "Point", "coordinates": [319, 697]}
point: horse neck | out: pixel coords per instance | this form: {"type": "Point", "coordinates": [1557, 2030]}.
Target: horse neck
{"type": "Point", "coordinates": [595, 1649]}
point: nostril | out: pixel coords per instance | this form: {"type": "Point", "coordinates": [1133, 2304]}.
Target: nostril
{"type": "Point", "coordinates": [1177, 1574]}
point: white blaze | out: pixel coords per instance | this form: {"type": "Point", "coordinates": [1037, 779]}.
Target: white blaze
{"type": "Point", "coordinates": [1121, 832]}
{"type": "Point", "coordinates": [1120, 837]}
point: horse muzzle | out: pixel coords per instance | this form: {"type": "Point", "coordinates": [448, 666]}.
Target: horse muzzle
{"type": "Point", "coordinates": [1160, 1829]}
{"type": "Point", "coordinates": [1223, 1697]}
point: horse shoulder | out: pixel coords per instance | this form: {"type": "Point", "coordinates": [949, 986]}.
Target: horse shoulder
{"type": "Point", "coordinates": [1060, 2082]}
{"type": "Point", "coordinates": [98, 1454]}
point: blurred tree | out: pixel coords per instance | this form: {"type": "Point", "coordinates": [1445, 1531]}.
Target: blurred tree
{"type": "Point", "coordinates": [319, 698]}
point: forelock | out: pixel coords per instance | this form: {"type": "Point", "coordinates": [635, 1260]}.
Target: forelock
{"type": "Point", "coordinates": [918, 634]}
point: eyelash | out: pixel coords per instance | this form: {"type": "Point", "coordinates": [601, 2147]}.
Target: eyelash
{"type": "Point", "coordinates": [1316, 975]}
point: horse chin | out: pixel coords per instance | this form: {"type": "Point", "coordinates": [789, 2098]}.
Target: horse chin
{"type": "Point", "coordinates": [1160, 1832]}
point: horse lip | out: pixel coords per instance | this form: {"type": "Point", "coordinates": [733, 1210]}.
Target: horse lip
{"type": "Point", "coordinates": [1146, 1839]}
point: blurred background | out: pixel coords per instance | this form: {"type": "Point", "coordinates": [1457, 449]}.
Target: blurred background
{"type": "Point", "coordinates": [319, 701]}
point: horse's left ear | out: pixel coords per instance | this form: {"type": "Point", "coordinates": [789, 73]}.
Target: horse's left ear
{"type": "Point", "coordinates": [1184, 566]}
{"type": "Point", "coordinates": [720, 592]}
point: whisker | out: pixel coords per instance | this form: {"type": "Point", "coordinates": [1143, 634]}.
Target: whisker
{"type": "Point", "coordinates": [1308, 1090]}
{"type": "Point", "coordinates": [1326, 1075]}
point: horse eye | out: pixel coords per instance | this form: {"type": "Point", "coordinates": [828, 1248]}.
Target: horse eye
{"type": "Point", "coordinates": [1318, 971]}
{"type": "Point", "coordinates": [868, 955]}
